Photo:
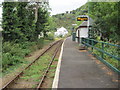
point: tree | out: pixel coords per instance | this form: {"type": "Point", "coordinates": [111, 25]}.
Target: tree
{"type": "Point", "coordinates": [42, 21]}
{"type": "Point", "coordinates": [105, 15]}
{"type": "Point", "coordinates": [9, 21]}
{"type": "Point", "coordinates": [19, 21]}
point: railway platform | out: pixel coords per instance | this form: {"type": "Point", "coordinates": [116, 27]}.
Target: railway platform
{"type": "Point", "coordinates": [79, 70]}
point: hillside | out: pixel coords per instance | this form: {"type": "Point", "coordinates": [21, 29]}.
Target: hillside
{"type": "Point", "coordinates": [67, 19]}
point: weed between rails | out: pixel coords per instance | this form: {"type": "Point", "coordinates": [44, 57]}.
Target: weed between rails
{"type": "Point", "coordinates": [37, 70]}
{"type": "Point", "coordinates": [50, 75]}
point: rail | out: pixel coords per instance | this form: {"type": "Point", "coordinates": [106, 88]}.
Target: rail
{"type": "Point", "coordinates": [17, 76]}
{"type": "Point", "coordinates": [91, 45]}
{"type": "Point", "coordinates": [48, 67]}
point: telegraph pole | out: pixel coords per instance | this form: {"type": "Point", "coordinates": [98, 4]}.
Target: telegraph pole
{"type": "Point", "coordinates": [36, 11]}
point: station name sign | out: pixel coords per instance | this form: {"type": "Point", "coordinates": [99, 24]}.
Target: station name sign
{"type": "Point", "coordinates": [82, 19]}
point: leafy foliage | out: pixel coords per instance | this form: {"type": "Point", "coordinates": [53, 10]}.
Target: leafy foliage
{"type": "Point", "coordinates": [19, 22]}
{"type": "Point", "coordinates": [13, 54]}
{"type": "Point", "coordinates": [105, 15]}
{"type": "Point", "coordinates": [9, 20]}
{"type": "Point", "coordinates": [20, 31]}
{"type": "Point", "coordinates": [106, 27]}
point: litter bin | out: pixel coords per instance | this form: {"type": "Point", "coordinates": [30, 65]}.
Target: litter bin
{"type": "Point", "coordinates": [73, 36]}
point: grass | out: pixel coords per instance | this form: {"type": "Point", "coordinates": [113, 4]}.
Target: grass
{"type": "Point", "coordinates": [14, 55]}
{"type": "Point", "coordinates": [52, 70]}
{"type": "Point", "coordinates": [37, 70]}
{"type": "Point", "coordinates": [47, 42]}
{"type": "Point", "coordinates": [53, 66]}
{"type": "Point", "coordinates": [52, 74]}
{"type": "Point", "coordinates": [58, 38]}
{"type": "Point", "coordinates": [111, 50]}
{"type": "Point", "coordinates": [13, 68]}
{"type": "Point", "coordinates": [55, 59]}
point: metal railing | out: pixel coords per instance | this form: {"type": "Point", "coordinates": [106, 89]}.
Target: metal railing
{"type": "Point", "coordinates": [101, 50]}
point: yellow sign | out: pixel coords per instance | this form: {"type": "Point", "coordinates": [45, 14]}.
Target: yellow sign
{"type": "Point", "coordinates": [82, 18]}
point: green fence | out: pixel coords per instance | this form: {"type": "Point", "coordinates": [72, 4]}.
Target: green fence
{"type": "Point", "coordinates": [106, 52]}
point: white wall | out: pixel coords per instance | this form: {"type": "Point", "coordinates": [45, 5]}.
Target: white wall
{"type": "Point", "coordinates": [76, 39]}
{"type": "Point", "coordinates": [83, 32]}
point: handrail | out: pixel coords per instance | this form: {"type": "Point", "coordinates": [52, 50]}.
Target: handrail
{"type": "Point", "coordinates": [91, 43]}
{"type": "Point", "coordinates": [104, 42]}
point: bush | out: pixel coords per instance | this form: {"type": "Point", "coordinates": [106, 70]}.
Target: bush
{"type": "Point", "coordinates": [111, 50]}
{"type": "Point", "coordinates": [50, 36]}
{"type": "Point", "coordinates": [13, 54]}
{"type": "Point", "coordinates": [40, 43]}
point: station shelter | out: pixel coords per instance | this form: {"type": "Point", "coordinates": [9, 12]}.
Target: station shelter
{"type": "Point", "coordinates": [83, 30]}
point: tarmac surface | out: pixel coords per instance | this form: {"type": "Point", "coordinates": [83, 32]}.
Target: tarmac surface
{"type": "Point", "coordinates": [79, 70]}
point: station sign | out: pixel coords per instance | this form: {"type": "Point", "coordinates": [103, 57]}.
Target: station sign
{"type": "Point", "coordinates": [82, 18]}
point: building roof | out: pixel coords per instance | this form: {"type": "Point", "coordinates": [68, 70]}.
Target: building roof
{"type": "Point", "coordinates": [85, 23]}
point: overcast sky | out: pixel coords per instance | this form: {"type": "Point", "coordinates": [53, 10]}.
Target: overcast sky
{"type": "Point", "coordinates": [60, 6]}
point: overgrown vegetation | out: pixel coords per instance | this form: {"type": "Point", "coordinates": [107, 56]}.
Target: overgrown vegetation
{"type": "Point", "coordinates": [37, 70]}
{"type": "Point", "coordinates": [106, 20]}
{"type": "Point", "coordinates": [21, 28]}
{"type": "Point", "coordinates": [109, 49]}
{"type": "Point", "coordinates": [106, 28]}
{"type": "Point", "coordinates": [14, 54]}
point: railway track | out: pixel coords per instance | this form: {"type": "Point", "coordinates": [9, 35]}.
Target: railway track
{"type": "Point", "coordinates": [44, 75]}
